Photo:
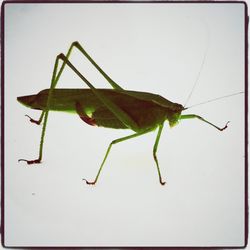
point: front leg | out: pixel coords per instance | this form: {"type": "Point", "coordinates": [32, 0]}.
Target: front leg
{"type": "Point", "coordinates": [192, 116]}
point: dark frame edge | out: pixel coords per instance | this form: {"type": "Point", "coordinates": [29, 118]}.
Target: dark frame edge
{"type": "Point", "coordinates": [2, 124]}
{"type": "Point", "coordinates": [246, 125]}
{"type": "Point", "coordinates": [246, 228]}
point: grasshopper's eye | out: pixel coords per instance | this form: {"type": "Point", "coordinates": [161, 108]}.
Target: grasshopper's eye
{"type": "Point", "coordinates": [179, 107]}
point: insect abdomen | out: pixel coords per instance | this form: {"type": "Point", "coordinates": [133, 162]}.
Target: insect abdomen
{"type": "Point", "coordinates": [145, 116]}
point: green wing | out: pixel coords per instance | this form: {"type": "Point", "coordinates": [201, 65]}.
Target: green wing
{"type": "Point", "coordinates": [146, 109]}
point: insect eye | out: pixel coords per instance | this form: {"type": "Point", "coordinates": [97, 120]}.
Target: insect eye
{"type": "Point", "coordinates": [180, 107]}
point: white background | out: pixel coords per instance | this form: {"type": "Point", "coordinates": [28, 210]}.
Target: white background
{"type": "Point", "coordinates": [157, 48]}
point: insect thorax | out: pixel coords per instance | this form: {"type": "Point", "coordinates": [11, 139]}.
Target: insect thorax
{"type": "Point", "coordinates": [173, 115]}
{"type": "Point", "coordinates": [173, 120]}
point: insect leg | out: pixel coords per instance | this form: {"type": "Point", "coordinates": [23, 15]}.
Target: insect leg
{"type": "Point", "coordinates": [108, 150]}
{"type": "Point", "coordinates": [83, 51]}
{"type": "Point", "coordinates": [121, 115]}
{"type": "Point", "coordinates": [83, 115]}
{"type": "Point", "coordinates": [54, 80]}
{"type": "Point", "coordinates": [154, 153]}
{"type": "Point", "coordinates": [38, 122]}
{"type": "Point", "coordinates": [191, 116]}
{"type": "Point", "coordinates": [114, 108]}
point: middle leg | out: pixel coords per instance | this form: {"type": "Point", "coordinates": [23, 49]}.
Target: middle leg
{"type": "Point", "coordinates": [154, 153]}
{"type": "Point", "coordinates": [108, 150]}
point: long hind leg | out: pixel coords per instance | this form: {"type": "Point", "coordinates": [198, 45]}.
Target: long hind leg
{"type": "Point", "coordinates": [116, 110]}
{"type": "Point", "coordinates": [45, 113]}
{"type": "Point", "coordinates": [78, 46]}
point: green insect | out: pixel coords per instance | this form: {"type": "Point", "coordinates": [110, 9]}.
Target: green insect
{"type": "Point", "coordinates": [111, 108]}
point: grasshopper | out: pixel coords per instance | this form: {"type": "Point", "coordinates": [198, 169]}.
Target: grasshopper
{"type": "Point", "coordinates": [115, 108]}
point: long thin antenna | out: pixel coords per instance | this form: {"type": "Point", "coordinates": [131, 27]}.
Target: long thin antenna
{"type": "Point", "coordinates": [215, 99]}
{"type": "Point", "coordinates": [201, 67]}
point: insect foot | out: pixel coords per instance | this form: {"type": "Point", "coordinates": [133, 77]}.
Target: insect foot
{"type": "Point", "coordinates": [224, 127]}
{"type": "Point", "coordinates": [89, 182]}
{"type": "Point", "coordinates": [38, 122]}
{"type": "Point", "coordinates": [31, 161]}
{"type": "Point", "coordinates": [162, 182]}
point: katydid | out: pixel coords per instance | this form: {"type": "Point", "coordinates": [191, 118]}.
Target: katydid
{"type": "Point", "coordinates": [115, 108]}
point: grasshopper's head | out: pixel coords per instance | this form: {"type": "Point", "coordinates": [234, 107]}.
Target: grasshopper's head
{"type": "Point", "coordinates": [29, 101]}
{"type": "Point", "coordinates": [173, 114]}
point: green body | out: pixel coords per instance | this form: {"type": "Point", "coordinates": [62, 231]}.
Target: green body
{"type": "Point", "coordinates": [146, 109]}
{"type": "Point", "coordinates": [112, 108]}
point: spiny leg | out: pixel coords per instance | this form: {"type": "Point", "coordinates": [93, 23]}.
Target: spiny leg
{"type": "Point", "coordinates": [121, 115]}
{"type": "Point", "coordinates": [108, 150]}
{"type": "Point", "coordinates": [54, 80]}
{"type": "Point", "coordinates": [83, 51]}
{"type": "Point", "coordinates": [38, 160]}
{"type": "Point", "coordinates": [154, 153]}
{"type": "Point", "coordinates": [192, 116]}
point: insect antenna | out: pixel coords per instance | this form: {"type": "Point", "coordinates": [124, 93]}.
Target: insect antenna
{"type": "Point", "coordinates": [214, 99]}
{"type": "Point", "coordinates": [201, 67]}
